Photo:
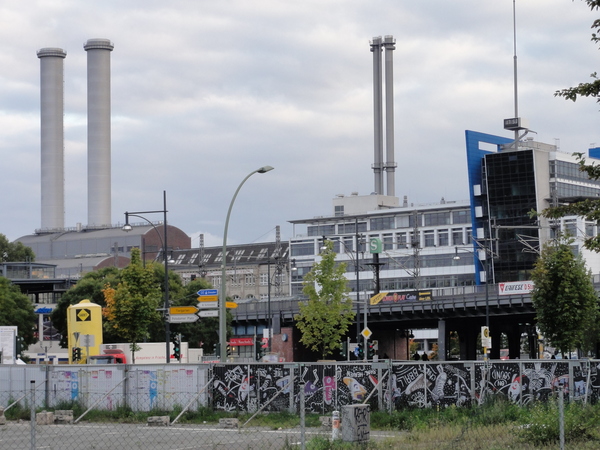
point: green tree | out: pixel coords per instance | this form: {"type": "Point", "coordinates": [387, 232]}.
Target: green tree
{"type": "Point", "coordinates": [87, 288]}
{"type": "Point", "coordinates": [564, 298]}
{"type": "Point", "coordinates": [176, 291]}
{"type": "Point", "coordinates": [17, 310]}
{"type": "Point", "coordinates": [131, 307]}
{"type": "Point", "coordinates": [325, 318]}
{"type": "Point", "coordinates": [14, 251]}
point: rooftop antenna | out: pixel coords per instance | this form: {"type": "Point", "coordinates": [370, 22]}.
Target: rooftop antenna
{"type": "Point", "coordinates": [516, 123]}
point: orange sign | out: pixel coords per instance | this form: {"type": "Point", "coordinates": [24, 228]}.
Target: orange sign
{"type": "Point", "coordinates": [183, 310]}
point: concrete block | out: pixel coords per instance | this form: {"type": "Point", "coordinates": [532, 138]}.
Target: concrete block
{"type": "Point", "coordinates": [229, 423]}
{"type": "Point", "coordinates": [159, 421]}
{"type": "Point", "coordinates": [63, 416]}
{"type": "Point", "coordinates": [44, 418]}
{"type": "Point", "coordinates": [356, 423]}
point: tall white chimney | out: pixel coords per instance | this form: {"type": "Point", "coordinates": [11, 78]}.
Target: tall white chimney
{"type": "Point", "coordinates": [377, 115]}
{"type": "Point", "coordinates": [99, 136]}
{"type": "Point", "coordinates": [52, 137]}
{"type": "Point", "coordinates": [390, 164]}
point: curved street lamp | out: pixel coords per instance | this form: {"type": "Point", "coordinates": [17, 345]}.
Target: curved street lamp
{"type": "Point", "coordinates": [128, 227]}
{"type": "Point", "coordinates": [222, 293]}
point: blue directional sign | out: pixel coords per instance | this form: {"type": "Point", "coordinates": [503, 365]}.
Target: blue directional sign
{"type": "Point", "coordinates": [203, 292]}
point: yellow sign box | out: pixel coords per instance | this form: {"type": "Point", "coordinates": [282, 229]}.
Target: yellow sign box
{"type": "Point", "coordinates": [230, 304]}
{"type": "Point", "coordinates": [183, 310]}
{"type": "Point", "coordinates": [208, 298]}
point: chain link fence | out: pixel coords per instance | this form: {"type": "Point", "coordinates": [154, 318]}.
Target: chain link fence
{"type": "Point", "coordinates": [279, 406]}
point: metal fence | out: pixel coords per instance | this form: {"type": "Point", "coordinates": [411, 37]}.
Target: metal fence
{"type": "Point", "coordinates": [248, 391]}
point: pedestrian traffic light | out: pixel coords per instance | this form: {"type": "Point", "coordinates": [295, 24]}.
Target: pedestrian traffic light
{"type": "Point", "coordinates": [76, 355]}
{"type": "Point", "coordinates": [217, 348]}
{"type": "Point", "coordinates": [344, 350]}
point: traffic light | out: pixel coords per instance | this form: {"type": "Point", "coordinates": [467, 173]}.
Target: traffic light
{"type": "Point", "coordinates": [344, 350]}
{"type": "Point", "coordinates": [258, 349]}
{"type": "Point", "coordinates": [370, 350]}
{"type": "Point", "coordinates": [76, 355]}
{"type": "Point", "coordinates": [228, 350]}
{"type": "Point", "coordinates": [359, 352]}
{"type": "Point", "coordinates": [217, 348]}
{"type": "Point", "coordinates": [176, 339]}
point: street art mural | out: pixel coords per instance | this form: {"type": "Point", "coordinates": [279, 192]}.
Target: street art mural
{"type": "Point", "coordinates": [328, 387]}
{"type": "Point", "coordinates": [250, 387]}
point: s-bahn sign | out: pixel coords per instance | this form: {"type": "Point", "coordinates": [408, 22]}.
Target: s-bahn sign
{"type": "Point", "coordinates": [515, 287]}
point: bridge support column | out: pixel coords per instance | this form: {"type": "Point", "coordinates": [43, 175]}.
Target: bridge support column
{"type": "Point", "coordinates": [442, 340]}
{"type": "Point", "coordinates": [514, 341]}
{"type": "Point", "coordinates": [496, 334]}
{"type": "Point", "coordinates": [467, 338]}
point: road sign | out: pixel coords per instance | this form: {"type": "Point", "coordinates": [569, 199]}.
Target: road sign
{"type": "Point", "coordinates": [486, 339]}
{"type": "Point", "coordinates": [209, 313]}
{"type": "Point", "coordinates": [183, 310]}
{"type": "Point", "coordinates": [209, 292]}
{"type": "Point", "coordinates": [231, 305]}
{"type": "Point", "coordinates": [207, 305]}
{"type": "Point", "coordinates": [366, 332]}
{"type": "Point", "coordinates": [183, 318]}
{"type": "Point", "coordinates": [208, 298]}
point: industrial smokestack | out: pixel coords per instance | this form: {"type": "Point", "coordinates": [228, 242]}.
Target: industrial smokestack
{"type": "Point", "coordinates": [99, 137]}
{"type": "Point", "coordinates": [52, 137]}
{"type": "Point", "coordinates": [377, 115]}
{"type": "Point", "coordinates": [390, 165]}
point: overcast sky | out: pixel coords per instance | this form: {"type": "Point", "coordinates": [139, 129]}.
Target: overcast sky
{"type": "Point", "coordinates": [205, 92]}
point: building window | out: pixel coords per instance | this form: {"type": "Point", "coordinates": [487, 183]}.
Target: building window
{"type": "Point", "coordinates": [457, 236]}
{"type": "Point", "coordinates": [348, 228]}
{"type": "Point", "coordinates": [303, 248]}
{"type": "Point", "coordinates": [463, 216]}
{"type": "Point", "coordinates": [339, 210]}
{"type": "Point", "coordinates": [264, 279]}
{"type": "Point", "coordinates": [442, 238]}
{"type": "Point", "coordinates": [415, 220]}
{"type": "Point", "coordinates": [589, 229]}
{"type": "Point", "coordinates": [570, 227]}
{"type": "Point", "coordinates": [401, 240]}
{"type": "Point", "coordinates": [382, 223]}
{"type": "Point", "coordinates": [429, 238]}
{"type": "Point", "coordinates": [388, 241]}
{"type": "Point", "coordinates": [437, 218]}
{"type": "Point", "coordinates": [249, 279]}
{"type": "Point", "coordinates": [321, 230]}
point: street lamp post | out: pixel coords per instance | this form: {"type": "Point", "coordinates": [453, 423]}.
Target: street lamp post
{"type": "Point", "coordinates": [128, 227]}
{"type": "Point", "coordinates": [269, 323]}
{"type": "Point", "coordinates": [222, 293]}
